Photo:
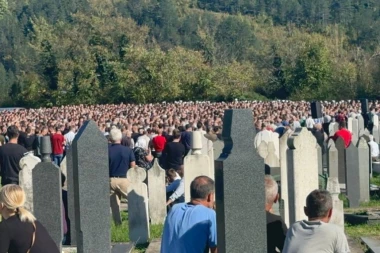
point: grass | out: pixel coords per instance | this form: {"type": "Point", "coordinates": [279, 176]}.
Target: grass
{"type": "Point", "coordinates": [121, 233]}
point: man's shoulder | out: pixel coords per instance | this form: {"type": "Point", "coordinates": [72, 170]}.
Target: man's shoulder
{"type": "Point", "coordinates": [273, 217]}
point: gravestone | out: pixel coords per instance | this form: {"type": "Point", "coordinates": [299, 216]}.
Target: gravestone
{"type": "Point", "coordinates": [272, 159]}
{"type": "Point", "coordinates": [157, 193]}
{"type": "Point", "coordinates": [218, 148]}
{"type": "Point", "coordinates": [262, 149]}
{"type": "Point", "coordinates": [375, 120]}
{"type": "Point", "coordinates": [349, 124]}
{"type": "Point", "coordinates": [195, 164]}
{"type": "Point", "coordinates": [47, 194]}
{"type": "Point", "coordinates": [333, 128]}
{"type": "Point", "coordinates": [337, 217]}
{"type": "Point", "coordinates": [357, 176]}
{"type": "Point", "coordinates": [375, 133]}
{"type": "Point", "coordinates": [333, 162]}
{"type": "Point", "coordinates": [70, 198]}
{"type": "Point", "coordinates": [302, 158]}
{"type": "Point", "coordinates": [355, 131]}
{"type": "Point", "coordinates": [91, 190]}
{"type": "Point", "coordinates": [340, 146]}
{"type": "Point", "coordinates": [284, 176]}
{"type": "Point", "coordinates": [138, 217]}
{"type": "Point", "coordinates": [27, 164]}
{"type": "Point", "coordinates": [361, 126]}
{"type": "Point", "coordinates": [239, 172]}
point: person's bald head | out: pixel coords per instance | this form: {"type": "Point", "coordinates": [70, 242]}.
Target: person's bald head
{"type": "Point", "coordinates": [202, 189]}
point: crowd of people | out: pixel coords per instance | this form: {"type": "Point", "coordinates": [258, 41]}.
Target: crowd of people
{"type": "Point", "coordinates": [139, 133]}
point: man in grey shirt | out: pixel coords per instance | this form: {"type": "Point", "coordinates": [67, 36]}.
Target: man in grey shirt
{"type": "Point", "coordinates": [316, 235]}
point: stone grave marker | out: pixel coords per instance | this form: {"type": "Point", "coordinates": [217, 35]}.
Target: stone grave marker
{"type": "Point", "coordinates": [333, 187]}
{"type": "Point", "coordinates": [72, 238]}
{"type": "Point", "coordinates": [355, 131]}
{"type": "Point", "coordinates": [157, 194]}
{"type": "Point", "coordinates": [47, 194]}
{"type": "Point", "coordinates": [272, 160]}
{"type": "Point", "coordinates": [195, 164]}
{"type": "Point", "coordinates": [320, 161]}
{"type": "Point", "coordinates": [360, 123]}
{"type": "Point", "coordinates": [375, 133]}
{"type": "Point", "coordinates": [333, 128]}
{"type": "Point", "coordinates": [357, 176]}
{"type": "Point", "coordinates": [218, 148]}
{"type": "Point", "coordinates": [375, 120]}
{"type": "Point", "coordinates": [340, 146]}
{"type": "Point", "coordinates": [27, 164]}
{"type": "Point", "coordinates": [284, 176]}
{"type": "Point", "coordinates": [138, 217]}
{"type": "Point", "coordinates": [333, 162]}
{"type": "Point", "coordinates": [91, 190]}
{"type": "Point", "coordinates": [302, 157]}
{"type": "Point", "coordinates": [349, 124]}
{"type": "Point", "coordinates": [239, 171]}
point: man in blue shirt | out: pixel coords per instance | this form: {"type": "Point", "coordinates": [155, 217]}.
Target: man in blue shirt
{"type": "Point", "coordinates": [121, 158]}
{"type": "Point", "coordinates": [191, 227]}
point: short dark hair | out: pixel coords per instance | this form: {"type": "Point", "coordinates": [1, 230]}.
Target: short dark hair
{"type": "Point", "coordinates": [201, 187]}
{"type": "Point", "coordinates": [176, 134]}
{"type": "Point", "coordinates": [172, 173]}
{"type": "Point", "coordinates": [188, 126]}
{"type": "Point", "coordinates": [13, 132]}
{"type": "Point", "coordinates": [199, 125]}
{"type": "Point", "coordinates": [318, 203]}
{"type": "Point", "coordinates": [342, 124]}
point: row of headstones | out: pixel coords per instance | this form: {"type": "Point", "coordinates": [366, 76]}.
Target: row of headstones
{"type": "Point", "coordinates": [89, 194]}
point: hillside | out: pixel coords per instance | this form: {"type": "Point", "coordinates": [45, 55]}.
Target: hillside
{"type": "Point", "coordinates": [55, 52]}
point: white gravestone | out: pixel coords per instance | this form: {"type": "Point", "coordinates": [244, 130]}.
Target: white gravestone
{"type": "Point", "coordinates": [138, 217]}
{"type": "Point", "coordinates": [333, 187]}
{"type": "Point", "coordinates": [284, 176]}
{"type": "Point", "coordinates": [157, 193]}
{"type": "Point", "coordinates": [196, 164]}
{"type": "Point", "coordinates": [27, 164]}
{"type": "Point", "coordinates": [303, 176]}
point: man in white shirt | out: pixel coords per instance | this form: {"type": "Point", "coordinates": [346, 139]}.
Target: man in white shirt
{"type": "Point", "coordinates": [69, 137]}
{"type": "Point", "coordinates": [374, 149]}
{"type": "Point", "coordinates": [316, 234]}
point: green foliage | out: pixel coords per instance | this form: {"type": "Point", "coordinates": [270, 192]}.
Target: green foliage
{"type": "Point", "coordinates": [77, 51]}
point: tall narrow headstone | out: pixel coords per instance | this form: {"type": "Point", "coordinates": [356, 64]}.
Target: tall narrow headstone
{"type": "Point", "coordinates": [320, 164]}
{"type": "Point", "coordinates": [240, 172]}
{"type": "Point", "coordinates": [333, 162]}
{"type": "Point", "coordinates": [360, 123]}
{"type": "Point", "coordinates": [72, 238]}
{"type": "Point", "coordinates": [337, 217]}
{"type": "Point", "coordinates": [284, 176]}
{"type": "Point", "coordinates": [333, 128]}
{"type": "Point", "coordinates": [47, 194]}
{"type": "Point", "coordinates": [157, 193]}
{"type": "Point", "coordinates": [357, 176]}
{"type": "Point", "coordinates": [375, 133]}
{"type": "Point", "coordinates": [303, 176]}
{"type": "Point", "coordinates": [355, 131]}
{"type": "Point", "coordinates": [375, 120]}
{"type": "Point", "coordinates": [349, 124]}
{"type": "Point", "coordinates": [91, 190]}
{"type": "Point", "coordinates": [27, 164]}
{"type": "Point", "coordinates": [195, 164]}
{"type": "Point", "coordinates": [272, 159]}
{"type": "Point", "coordinates": [138, 217]}
{"type": "Point", "coordinates": [340, 146]}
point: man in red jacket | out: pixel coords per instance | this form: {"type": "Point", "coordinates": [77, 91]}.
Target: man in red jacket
{"type": "Point", "coordinates": [57, 143]}
{"type": "Point", "coordinates": [343, 133]}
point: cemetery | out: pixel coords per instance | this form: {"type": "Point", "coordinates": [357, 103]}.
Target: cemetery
{"type": "Point", "coordinates": [237, 164]}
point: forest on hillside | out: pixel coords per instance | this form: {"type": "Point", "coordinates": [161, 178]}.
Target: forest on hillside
{"type": "Point", "coordinates": [56, 52]}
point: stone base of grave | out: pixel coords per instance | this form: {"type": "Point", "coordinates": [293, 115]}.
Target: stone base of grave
{"type": "Point", "coordinates": [117, 248]}
{"type": "Point", "coordinates": [154, 246]}
{"type": "Point", "coordinates": [373, 244]}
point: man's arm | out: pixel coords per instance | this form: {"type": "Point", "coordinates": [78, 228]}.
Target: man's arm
{"type": "Point", "coordinates": [214, 250]}
{"type": "Point", "coordinates": [178, 193]}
